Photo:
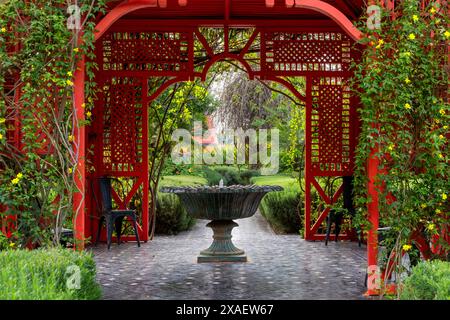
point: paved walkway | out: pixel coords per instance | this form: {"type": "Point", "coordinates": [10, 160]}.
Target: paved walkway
{"type": "Point", "coordinates": [279, 267]}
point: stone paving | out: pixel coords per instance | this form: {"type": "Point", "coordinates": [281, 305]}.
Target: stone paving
{"type": "Point", "coordinates": [279, 267]}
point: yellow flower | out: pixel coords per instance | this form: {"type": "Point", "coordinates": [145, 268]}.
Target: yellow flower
{"type": "Point", "coordinates": [15, 181]}
{"type": "Point", "coordinates": [442, 112]}
{"type": "Point", "coordinates": [70, 138]}
{"type": "Point", "coordinates": [1, 136]}
{"type": "Point", "coordinates": [19, 176]}
{"type": "Point", "coordinates": [407, 106]}
{"type": "Point", "coordinates": [69, 74]}
{"type": "Point", "coordinates": [445, 127]}
{"type": "Point", "coordinates": [438, 211]}
{"type": "Point", "coordinates": [69, 83]}
{"type": "Point", "coordinates": [423, 205]}
{"type": "Point", "coordinates": [88, 114]}
{"type": "Point", "coordinates": [415, 18]}
{"type": "Point", "coordinates": [447, 34]}
{"type": "Point", "coordinates": [76, 50]}
{"type": "Point", "coordinates": [83, 105]}
{"type": "Point", "coordinates": [12, 244]}
{"type": "Point", "coordinates": [431, 227]}
{"type": "Point", "coordinates": [2, 120]}
{"type": "Point", "coordinates": [412, 36]}
{"type": "Point", "coordinates": [432, 10]}
{"type": "Point", "coordinates": [407, 81]}
{"type": "Point", "coordinates": [441, 136]}
{"type": "Point", "coordinates": [391, 147]}
{"type": "Point", "coordinates": [70, 170]}
{"type": "Point", "coordinates": [440, 156]}
{"type": "Point", "coordinates": [3, 30]}
{"type": "Point", "coordinates": [444, 196]}
{"type": "Point", "coordinates": [407, 247]}
{"type": "Point", "coordinates": [380, 43]}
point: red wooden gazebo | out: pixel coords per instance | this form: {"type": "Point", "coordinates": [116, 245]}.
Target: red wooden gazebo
{"type": "Point", "coordinates": [140, 39]}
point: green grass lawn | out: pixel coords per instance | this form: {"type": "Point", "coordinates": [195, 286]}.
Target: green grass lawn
{"type": "Point", "coordinates": [182, 180]}
{"type": "Point", "coordinates": [286, 182]}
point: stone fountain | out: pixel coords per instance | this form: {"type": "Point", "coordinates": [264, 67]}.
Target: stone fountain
{"type": "Point", "coordinates": [221, 205]}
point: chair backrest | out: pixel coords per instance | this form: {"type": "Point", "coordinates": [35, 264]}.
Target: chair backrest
{"type": "Point", "coordinates": [105, 190]}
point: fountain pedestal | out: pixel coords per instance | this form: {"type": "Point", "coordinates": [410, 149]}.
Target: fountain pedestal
{"type": "Point", "coordinates": [222, 249]}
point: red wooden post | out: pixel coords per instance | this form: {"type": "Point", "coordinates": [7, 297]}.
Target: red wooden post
{"type": "Point", "coordinates": [80, 152]}
{"type": "Point", "coordinates": [372, 237]}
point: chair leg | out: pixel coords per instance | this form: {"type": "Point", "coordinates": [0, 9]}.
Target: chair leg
{"type": "Point", "coordinates": [327, 236]}
{"type": "Point", "coordinates": [118, 225]}
{"type": "Point", "coordinates": [109, 230]}
{"type": "Point", "coordinates": [99, 229]}
{"type": "Point", "coordinates": [135, 229]}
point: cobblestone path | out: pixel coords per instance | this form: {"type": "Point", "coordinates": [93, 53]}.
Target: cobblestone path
{"type": "Point", "coordinates": [279, 267]}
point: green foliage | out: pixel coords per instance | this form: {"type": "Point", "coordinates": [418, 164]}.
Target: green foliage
{"type": "Point", "coordinates": [43, 68]}
{"type": "Point", "coordinates": [43, 274]}
{"type": "Point", "coordinates": [247, 175]}
{"type": "Point", "coordinates": [171, 217]}
{"type": "Point", "coordinates": [401, 82]}
{"type": "Point", "coordinates": [229, 175]}
{"type": "Point", "coordinates": [429, 280]}
{"type": "Point", "coordinates": [284, 209]}
{"type": "Point", "coordinates": [281, 209]}
{"type": "Point", "coordinates": [182, 180]}
{"type": "Point", "coordinates": [213, 177]}
{"type": "Point", "coordinates": [177, 107]}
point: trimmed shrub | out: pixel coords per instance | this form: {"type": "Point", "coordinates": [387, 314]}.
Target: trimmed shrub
{"type": "Point", "coordinates": [230, 175]}
{"type": "Point", "coordinates": [281, 210]}
{"type": "Point", "coordinates": [44, 274]}
{"type": "Point", "coordinates": [212, 177]}
{"type": "Point", "coordinates": [429, 280]}
{"type": "Point", "coordinates": [247, 175]}
{"type": "Point", "coordinates": [171, 217]}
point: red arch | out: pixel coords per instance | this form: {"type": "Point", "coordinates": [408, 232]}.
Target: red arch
{"type": "Point", "coordinates": [316, 5]}
{"type": "Point", "coordinates": [224, 56]}
{"type": "Point", "coordinates": [333, 13]}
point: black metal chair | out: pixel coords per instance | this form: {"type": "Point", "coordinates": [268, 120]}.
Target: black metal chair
{"type": "Point", "coordinates": [335, 216]}
{"type": "Point", "coordinates": [113, 218]}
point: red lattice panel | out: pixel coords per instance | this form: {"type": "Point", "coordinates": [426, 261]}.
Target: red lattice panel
{"type": "Point", "coordinates": [307, 51]}
{"type": "Point", "coordinates": [122, 136]}
{"type": "Point", "coordinates": [331, 134]}
{"type": "Point", "coordinates": [146, 51]}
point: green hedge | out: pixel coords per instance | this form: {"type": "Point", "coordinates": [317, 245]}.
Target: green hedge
{"type": "Point", "coordinates": [230, 175]}
{"type": "Point", "coordinates": [43, 275]}
{"type": "Point", "coordinates": [282, 212]}
{"type": "Point", "coordinates": [429, 280]}
{"type": "Point", "coordinates": [171, 217]}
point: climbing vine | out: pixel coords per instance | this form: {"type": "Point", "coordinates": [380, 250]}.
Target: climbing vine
{"type": "Point", "coordinates": [38, 59]}
{"type": "Point", "coordinates": [403, 82]}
